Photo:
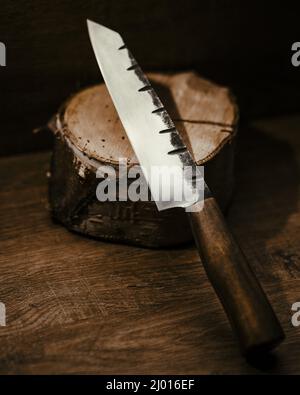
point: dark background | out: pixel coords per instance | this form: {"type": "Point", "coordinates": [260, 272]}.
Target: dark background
{"type": "Point", "coordinates": [244, 44]}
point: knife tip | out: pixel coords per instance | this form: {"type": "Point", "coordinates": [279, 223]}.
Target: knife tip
{"type": "Point", "coordinates": [94, 26]}
{"type": "Point", "coordinates": [90, 23]}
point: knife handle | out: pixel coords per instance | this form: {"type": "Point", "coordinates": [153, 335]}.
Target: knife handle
{"type": "Point", "coordinates": [245, 303]}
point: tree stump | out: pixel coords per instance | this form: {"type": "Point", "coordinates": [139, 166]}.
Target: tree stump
{"type": "Point", "coordinates": [89, 134]}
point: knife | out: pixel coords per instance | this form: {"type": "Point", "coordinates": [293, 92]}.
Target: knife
{"type": "Point", "coordinates": [156, 142]}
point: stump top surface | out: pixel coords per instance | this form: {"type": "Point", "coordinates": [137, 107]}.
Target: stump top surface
{"type": "Point", "coordinates": [203, 112]}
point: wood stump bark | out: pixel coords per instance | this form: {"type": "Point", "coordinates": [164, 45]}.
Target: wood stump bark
{"type": "Point", "coordinates": [89, 134]}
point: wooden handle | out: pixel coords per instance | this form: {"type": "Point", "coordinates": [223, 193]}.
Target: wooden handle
{"type": "Point", "coordinates": [247, 307]}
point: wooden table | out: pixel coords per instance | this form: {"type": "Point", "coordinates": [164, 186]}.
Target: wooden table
{"type": "Point", "coordinates": [76, 305]}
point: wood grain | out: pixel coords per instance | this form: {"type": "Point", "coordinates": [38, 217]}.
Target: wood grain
{"type": "Point", "coordinates": [76, 305]}
{"type": "Point", "coordinates": [49, 54]}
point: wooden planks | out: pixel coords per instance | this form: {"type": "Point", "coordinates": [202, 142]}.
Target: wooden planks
{"type": "Point", "coordinates": [49, 54]}
{"type": "Point", "coordinates": [76, 305]}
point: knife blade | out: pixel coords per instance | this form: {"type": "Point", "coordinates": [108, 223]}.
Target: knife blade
{"type": "Point", "coordinates": [144, 118]}
{"type": "Point", "coordinates": [157, 142]}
